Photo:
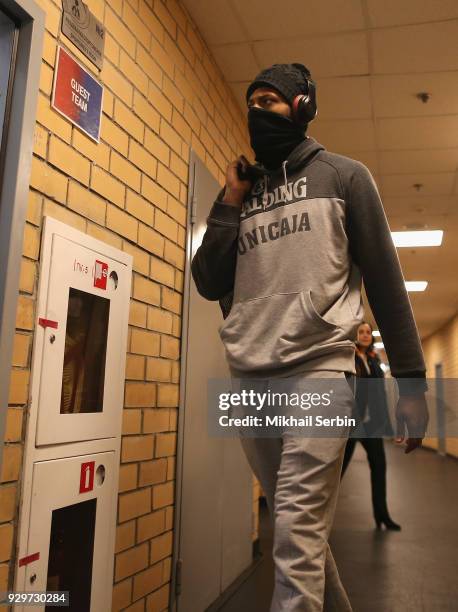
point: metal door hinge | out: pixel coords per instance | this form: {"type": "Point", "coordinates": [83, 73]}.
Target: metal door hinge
{"type": "Point", "coordinates": [193, 209]}
{"type": "Point", "coordinates": [178, 568]}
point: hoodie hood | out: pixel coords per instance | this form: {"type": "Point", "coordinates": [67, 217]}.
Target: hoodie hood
{"type": "Point", "coordinates": [300, 156]}
{"type": "Point", "coordinates": [303, 153]}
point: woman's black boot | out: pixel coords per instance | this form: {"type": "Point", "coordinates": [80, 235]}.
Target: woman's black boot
{"type": "Point", "coordinates": [388, 522]}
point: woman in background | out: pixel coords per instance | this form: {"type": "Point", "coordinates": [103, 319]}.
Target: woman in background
{"type": "Point", "coordinates": [374, 423]}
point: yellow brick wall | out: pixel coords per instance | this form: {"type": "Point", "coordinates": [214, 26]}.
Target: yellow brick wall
{"type": "Point", "coordinates": [163, 95]}
{"type": "Point", "coordinates": [442, 347]}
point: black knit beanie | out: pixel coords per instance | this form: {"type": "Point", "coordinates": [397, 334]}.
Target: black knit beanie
{"type": "Point", "coordinates": [288, 79]}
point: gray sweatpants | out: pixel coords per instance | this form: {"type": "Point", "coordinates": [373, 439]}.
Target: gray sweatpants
{"type": "Point", "coordinates": [300, 477]}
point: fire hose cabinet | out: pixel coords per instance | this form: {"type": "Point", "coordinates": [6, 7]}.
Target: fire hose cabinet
{"type": "Point", "coordinates": [82, 312]}
{"type": "Point", "coordinates": [73, 437]}
{"type": "Point", "coordinates": [69, 532]}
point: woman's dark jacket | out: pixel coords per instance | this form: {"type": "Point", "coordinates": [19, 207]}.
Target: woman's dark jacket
{"type": "Point", "coordinates": [370, 399]}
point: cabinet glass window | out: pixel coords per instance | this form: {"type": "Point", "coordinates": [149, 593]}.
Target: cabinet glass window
{"type": "Point", "coordinates": [71, 551]}
{"type": "Point", "coordinates": [85, 353]}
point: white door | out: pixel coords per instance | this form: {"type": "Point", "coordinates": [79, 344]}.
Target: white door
{"type": "Point", "coordinates": [82, 356]}
{"type": "Point", "coordinates": [71, 517]}
{"type": "Point", "coordinates": [214, 481]}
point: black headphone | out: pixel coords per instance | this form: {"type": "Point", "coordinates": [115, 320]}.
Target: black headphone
{"type": "Point", "coordinates": [304, 105]}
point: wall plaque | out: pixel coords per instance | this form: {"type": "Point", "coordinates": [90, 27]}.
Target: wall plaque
{"type": "Point", "coordinates": [84, 30]}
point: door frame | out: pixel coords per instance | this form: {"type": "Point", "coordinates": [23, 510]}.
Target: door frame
{"type": "Point", "coordinates": [440, 410]}
{"type": "Point", "coordinates": [20, 127]}
{"type": "Point", "coordinates": [175, 577]}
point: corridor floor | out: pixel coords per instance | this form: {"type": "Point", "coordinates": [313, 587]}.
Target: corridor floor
{"type": "Point", "coordinates": [414, 570]}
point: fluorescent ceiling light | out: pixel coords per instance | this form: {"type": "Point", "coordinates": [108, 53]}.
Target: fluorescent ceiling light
{"type": "Point", "coordinates": [422, 238]}
{"type": "Point", "coordinates": [376, 333]}
{"type": "Point", "coordinates": [379, 345]}
{"type": "Point", "coordinates": [416, 285]}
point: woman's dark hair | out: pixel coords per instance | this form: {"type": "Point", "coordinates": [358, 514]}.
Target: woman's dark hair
{"type": "Point", "coordinates": [370, 349]}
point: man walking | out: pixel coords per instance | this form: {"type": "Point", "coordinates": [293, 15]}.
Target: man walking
{"type": "Point", "coordinates": [287, 245]}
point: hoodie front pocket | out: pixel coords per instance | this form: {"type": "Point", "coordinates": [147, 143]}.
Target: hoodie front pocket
{"type": "Point", "coordinates": [309, 308]}
{"type": "Point", "coordinates": [273, 331]}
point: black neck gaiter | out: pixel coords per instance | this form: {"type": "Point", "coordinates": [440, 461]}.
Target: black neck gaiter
{"type": "Point", "coordinates": [273, 136]}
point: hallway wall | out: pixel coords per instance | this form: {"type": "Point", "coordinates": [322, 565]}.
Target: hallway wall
{"type": "Point", "coordinates": [442, 347]}
{"type": "Point", "coordinates": [163, 94]}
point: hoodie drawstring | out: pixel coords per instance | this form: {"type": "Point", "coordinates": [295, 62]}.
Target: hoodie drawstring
{"type": "Point", "coordinates": [266, 184]}
{"type": "Point", "coordinates": [284, 174]}
{"type": "Point", "coordinates": [264, 195]}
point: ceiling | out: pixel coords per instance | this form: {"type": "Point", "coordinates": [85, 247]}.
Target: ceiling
{"type": "Point", "coordinates": [369, 59]}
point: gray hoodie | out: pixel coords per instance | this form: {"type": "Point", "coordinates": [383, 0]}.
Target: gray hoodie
{"type": "Point", "coordinates": [287, 269]}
